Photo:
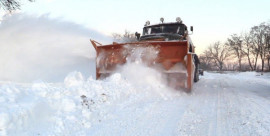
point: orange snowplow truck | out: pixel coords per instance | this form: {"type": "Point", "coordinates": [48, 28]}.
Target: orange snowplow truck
{"type": "Point", "coordinates": [165, 47]}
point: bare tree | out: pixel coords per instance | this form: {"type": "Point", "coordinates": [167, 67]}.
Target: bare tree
{"type": "Point", "coordinates": [11, 5]}
{"type": "Point", "coordinates": [236, 46]}
{"type": "Point", "coordinates": [206, 61]}
{"type": "Point", "coordinates": [260, 36]}
{"type": "Point", "coordinates": [231, 66]}
{"type": "Point", "coordinates": [218, 53]}
{"type": "Point", "coordinates": [267, 44]}
{"type": "Point", "coordinates": [248, 49]}
{"type": "Point", "coordinates": [126, 37]}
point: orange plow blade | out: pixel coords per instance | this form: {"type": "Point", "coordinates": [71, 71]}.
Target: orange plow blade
{"type": "Point", "coordinates": [172, 58]}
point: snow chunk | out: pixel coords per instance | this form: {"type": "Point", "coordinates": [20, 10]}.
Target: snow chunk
{"type": "Point", "coordinates": [74, 79]}
{"type": "Point", "coordinates": [4, 120]}
{"type": "Point", "coordinates": [68, 105]}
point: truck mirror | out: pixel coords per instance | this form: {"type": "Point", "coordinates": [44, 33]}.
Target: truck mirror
{"type": "Point", "coordinates": [191, 28]}
{"type": "Point", "coordinates": [138, 35]}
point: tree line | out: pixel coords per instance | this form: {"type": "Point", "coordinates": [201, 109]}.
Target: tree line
{"type": "Point", "coordinates": [11, 5]}
{"type": "Point", "coordinates": [249, 51]}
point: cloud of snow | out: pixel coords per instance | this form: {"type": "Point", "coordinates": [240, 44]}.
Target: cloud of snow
{"type": "Point", "coordinates": [40, 48]}
{"type": "Point", "coordinates": [140, 74]}
{"type": "Point", "coordinates": [146, 79]}
{"type": "Point", "coordinates": [141, 71]}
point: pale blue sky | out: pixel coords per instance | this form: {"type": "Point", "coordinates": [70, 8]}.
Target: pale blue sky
{"type": "Point", "coordinates": [213, 20]}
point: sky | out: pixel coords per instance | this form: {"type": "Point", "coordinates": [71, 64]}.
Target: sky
{"type": "Point", "coordinates": [213, 20]}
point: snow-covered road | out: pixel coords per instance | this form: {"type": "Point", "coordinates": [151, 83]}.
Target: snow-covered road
{"type": "Point", "coordinates": [220, 104]}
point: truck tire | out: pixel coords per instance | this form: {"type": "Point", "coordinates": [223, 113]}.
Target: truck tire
{"type": "Point", "coordinates": [196, 74]}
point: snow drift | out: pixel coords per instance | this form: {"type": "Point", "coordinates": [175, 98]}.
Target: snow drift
{"type": "Point", "coordinates": [70, 108]}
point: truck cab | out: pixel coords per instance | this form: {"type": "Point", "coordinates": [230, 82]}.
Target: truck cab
{"type": "Point", "coordinates": [172, 31]}
{"type": "Point", "coordinates": [164, 31]}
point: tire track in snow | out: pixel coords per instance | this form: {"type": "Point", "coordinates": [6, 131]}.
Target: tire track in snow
{"type": "Point", "coordinates": [230, 112]}
{"type": "Point", "coordinates": [198, 117]}
{"type": "Point", "coordinates": [221, 105]}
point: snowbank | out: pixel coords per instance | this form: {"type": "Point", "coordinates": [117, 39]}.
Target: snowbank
{"type": "Point", "coordinates": [69, 108]}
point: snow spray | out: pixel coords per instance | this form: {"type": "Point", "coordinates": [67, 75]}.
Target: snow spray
{"type": "Point", "coordinates": [40, 48]}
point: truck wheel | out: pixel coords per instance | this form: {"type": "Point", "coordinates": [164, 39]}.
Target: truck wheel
{"type": "Point", "coordinates": [196, 74]}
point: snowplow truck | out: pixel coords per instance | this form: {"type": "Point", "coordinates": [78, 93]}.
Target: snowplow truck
{"type": "Point", "coordinates": [165, 47]}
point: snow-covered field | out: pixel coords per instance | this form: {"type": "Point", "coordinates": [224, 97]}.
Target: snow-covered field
{"type": "Point", "coordinates": [220, 104]}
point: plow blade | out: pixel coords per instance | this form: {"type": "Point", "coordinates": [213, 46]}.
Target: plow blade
{"type": "Point", "coordinates": [172, 58]}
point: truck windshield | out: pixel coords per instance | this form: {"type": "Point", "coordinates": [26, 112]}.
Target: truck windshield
{"type": "Point", "coordinates": [163, 29]}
